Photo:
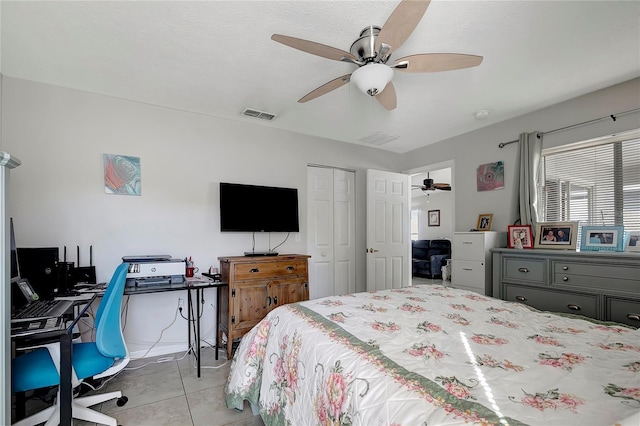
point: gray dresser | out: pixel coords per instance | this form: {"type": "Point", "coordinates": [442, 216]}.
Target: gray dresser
{"type": "Point", "coordinates": [604, 286]}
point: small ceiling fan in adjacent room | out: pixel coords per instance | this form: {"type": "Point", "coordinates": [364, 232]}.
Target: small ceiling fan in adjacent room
{"type": "Point", "coordinates": [373, 49]}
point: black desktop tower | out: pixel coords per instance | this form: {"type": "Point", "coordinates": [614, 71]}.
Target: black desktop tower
{"type": "Point", "coordinates": [40, 266]}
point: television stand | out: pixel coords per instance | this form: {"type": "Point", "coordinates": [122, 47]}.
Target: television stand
{"type": "Point", "coordinates": [260, 253]}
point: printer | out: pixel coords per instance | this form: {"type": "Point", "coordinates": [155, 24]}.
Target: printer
{"type": "Point", "coordinates": [149, 270]}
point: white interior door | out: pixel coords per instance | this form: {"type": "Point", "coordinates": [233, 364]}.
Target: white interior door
{"type": "Point", "coordinates": [388, 230]}
{"type": "Point", "coordinates": [344, 231]}
{"type": "Point", "coordinates": [331, 231]}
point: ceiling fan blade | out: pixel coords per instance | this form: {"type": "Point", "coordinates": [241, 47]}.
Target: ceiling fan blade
{"type": "Point", "coordinates": [442, 186]}
{"type": "Point", "coordinates": [434, 62]}
{"type": "Point", "coordinates": [313, 48]}
{"type": "Point", "coordinates": [401, 23]}
{"type": "Point", "coordinates": [326, 88]}
{"type": "Point", "coordinates": [387, 97]}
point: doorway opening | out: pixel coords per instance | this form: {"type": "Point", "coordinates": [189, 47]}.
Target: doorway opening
{"type": "Point", "coordinates": [432, 220]}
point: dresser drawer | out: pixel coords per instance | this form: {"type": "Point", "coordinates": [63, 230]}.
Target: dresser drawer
{"type": "Point", "coordinates": [554, 301]}
{"type": "Point", "coordinates": [597, 275]}
{"type": "Point", "coordinates": [469, 246]}
{"type": "Point", "coordinates": [524, 270]}
{"type": "Point", "coordinates": [248, 271]}
{"type": "Point", "coordinates": [468, 273]}
{"type": "Point", "coordinates": [623, 311]}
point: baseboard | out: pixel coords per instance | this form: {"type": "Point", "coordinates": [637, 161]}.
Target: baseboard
{"type": "Point", "coordinates": [159, 351]}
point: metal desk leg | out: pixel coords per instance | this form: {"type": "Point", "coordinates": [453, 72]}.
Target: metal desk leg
{"type": "Point", "coordinates": [65, 379]}
{"type": "Point", "coordinates": [188, 319]}
{"type": "Point", "coordinates": [218, 291]}
{"type": "Point", "coordinates": [198, 295]}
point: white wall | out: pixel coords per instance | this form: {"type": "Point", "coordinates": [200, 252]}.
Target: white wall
{"type": "Point", "coordinates": [437, 200]}
{"type": "Point", "coordinates": [57, 195]}
{"type": "Point", "coordinates": [481, 146]}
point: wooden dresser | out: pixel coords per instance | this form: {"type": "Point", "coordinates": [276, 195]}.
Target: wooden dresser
{"type": "Point", "coordinates": [604, 286]}
{"type": "Point", "coordinates": [256, 286]}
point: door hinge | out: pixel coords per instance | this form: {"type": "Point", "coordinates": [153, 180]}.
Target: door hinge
{"type": "Point", "coordinates": [233, 319]}
{"type": "Point", "coordinates": [233, 293]}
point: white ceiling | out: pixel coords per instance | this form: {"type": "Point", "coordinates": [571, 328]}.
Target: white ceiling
{"type": "Point", "coordinates": [216, 58]}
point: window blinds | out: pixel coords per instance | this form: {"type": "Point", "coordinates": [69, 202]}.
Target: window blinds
{"type": "Point", "coordinates": [593, 183]}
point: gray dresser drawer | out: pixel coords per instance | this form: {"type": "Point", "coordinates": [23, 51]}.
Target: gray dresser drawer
{"type": "Point", "coordinates": [597, 276]}
{"type": "Point", "coordinates": [554, 301]}
{"type": "Point", "coordinates": [524, 270]}
{"type": "Point", "coordinates": [623, 311]}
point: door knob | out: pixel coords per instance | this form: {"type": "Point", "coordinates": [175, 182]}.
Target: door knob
{"type": "Point", "coordinates": [372, 250]}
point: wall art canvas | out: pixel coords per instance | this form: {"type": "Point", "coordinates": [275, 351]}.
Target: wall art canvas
{"type": "Point", "coordinates": [122, 175]}
{"type": "Point", "coordinates": [490, 176]}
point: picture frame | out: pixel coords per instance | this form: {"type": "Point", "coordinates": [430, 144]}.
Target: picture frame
{"type": "Point", "coordinates": [434, 217]}
{"type": "Point", "coordinates": [484, 222]}
{"type": "Point", "coordinates": [633, 243]}
{"type": "Point", "coordinates": [556, 235]}
{"type": "Point", "coordinates": [520, 236]}
{"type": "Point", "coordinates": [602, 238]}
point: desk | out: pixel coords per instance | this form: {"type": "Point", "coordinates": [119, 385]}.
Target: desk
{"type": "Point", "coordinates": [197, 284]}
{"type": "Point", "coordinates": [65, 336]}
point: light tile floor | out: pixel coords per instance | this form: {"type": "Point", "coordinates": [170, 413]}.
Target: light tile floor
{"type": "Point", "coordinates": [165, 390]}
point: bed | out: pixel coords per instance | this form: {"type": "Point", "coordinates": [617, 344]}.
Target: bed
{"type": "Point", "coordinates": [434, 355]}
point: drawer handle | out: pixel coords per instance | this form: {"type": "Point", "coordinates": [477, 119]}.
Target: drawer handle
{"type": "Point", "coordinates": [565, 268]}
{"type": "Point", "coordinates": [565, 278]}
{"type": "Point", "coordinates": [467, 242]}
{"type": "Point", "coordinates": [268, 300]}
{"type": "Point", "coordinates": [574, 307]}
{"type": "Point", "coordinates": [254, 270]}
{"type": "Point", "coordinates": [525, 270]}
{"type": "Point", "coordinates": [290, 268]}
{"type": "Point", "coordinates": [275, 300]}
{"type": "Point", "coordinates": [467, 269]}
{"type": "Point", "coordinates": [521, 298]}
{"type": "Point", "coordinates": [635, 317]}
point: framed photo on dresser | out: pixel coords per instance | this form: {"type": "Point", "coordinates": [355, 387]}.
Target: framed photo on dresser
{"type": "Point", "coordinates": [556, 235]}
{"type": "Point", "coordinates": [520, 236]}
{"type": "Point", "coordinates": [602, 238]}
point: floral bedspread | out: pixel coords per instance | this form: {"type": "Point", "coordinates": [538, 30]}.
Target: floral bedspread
{"type": "Point", "coordinates": [432, 355]}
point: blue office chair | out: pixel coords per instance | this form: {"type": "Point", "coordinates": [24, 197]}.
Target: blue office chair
{"type": "Point", "coordinates": [104, 357]}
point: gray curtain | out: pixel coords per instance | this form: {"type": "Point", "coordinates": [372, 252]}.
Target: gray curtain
{"type": "Point", "coordinates": [529, 156]}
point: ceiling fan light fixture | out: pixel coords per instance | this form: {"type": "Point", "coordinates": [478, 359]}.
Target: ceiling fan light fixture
{"type": "Point", "coordinates": [372, 78]}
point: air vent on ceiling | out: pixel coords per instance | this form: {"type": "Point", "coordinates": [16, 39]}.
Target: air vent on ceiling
{"type": "Point", "coordinates": [378, 138]}
{"type": "Point", "coordinates": [254, 113]}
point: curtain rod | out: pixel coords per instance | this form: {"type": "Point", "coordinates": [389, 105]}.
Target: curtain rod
{"type": "Point", "coordinates": [613, 117]}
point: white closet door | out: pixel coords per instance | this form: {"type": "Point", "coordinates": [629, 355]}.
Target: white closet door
{"type": "Point", "coordinates": [344, 217]}
{"type": "Point", "coordinates": [331, 231]}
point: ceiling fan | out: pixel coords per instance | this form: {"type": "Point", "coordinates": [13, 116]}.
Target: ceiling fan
{"type": "Point", "coordinates": [429, 185]}
{"type": "Point", "coordinates": [371, 51]}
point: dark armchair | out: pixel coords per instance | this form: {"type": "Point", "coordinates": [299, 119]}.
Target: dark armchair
{"type": "Point", "coordinates": [428, 257]}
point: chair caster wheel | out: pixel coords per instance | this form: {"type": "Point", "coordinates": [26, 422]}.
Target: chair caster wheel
{"type": "Point", "coordinates": [121, 401]}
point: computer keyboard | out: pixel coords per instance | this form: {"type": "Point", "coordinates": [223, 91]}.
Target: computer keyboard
{"type": "Point", "coordinates": [37, 309]}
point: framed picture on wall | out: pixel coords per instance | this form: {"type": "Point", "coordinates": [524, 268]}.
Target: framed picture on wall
{"type": "Point", "coordinates": [484, 222]}
{"type": "Point", "coordinates": [556, 235]}
{"type": "Point", "coordinates": [602, 238]}
{"type": "Point", "coordinates": [520, 236]}
{"type": "Point", "coordinates": [434, 217]}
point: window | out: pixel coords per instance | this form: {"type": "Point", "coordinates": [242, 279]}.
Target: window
{"type": "Point", "coordinates": [593, 182]}
{"type": "Point", "coordinates": [415, 214]}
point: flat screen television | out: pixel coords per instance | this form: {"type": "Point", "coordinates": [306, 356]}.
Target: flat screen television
{"type": "Point", "coordinates": [252, 208]}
